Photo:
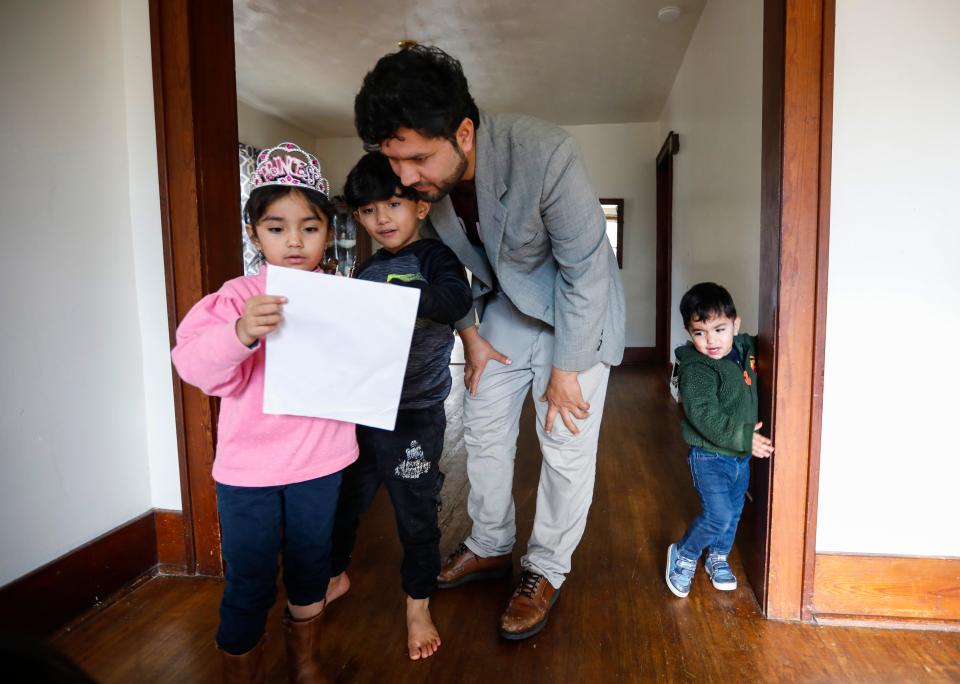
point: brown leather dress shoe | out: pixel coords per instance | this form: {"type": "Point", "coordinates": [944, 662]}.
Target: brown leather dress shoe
{"type": "Point", "coordinates": [527, 612]}
{"type": "Point", "coordinates": [463, 565]}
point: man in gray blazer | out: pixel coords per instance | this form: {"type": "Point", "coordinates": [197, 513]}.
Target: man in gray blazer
{"type": "Point", "coordinates": [512, 199]}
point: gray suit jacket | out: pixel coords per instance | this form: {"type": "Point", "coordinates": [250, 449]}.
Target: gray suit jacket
{"type": "Point", "coordinates": [544, 239]}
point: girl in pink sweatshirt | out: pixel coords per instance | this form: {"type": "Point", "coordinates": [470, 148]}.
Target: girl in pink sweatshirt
{"type": "Point", "coordinates": [277, 477]}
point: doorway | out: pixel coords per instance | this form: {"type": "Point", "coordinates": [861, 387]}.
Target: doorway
{"type": "Point", "coordinates": [195, 91]}
{"type": "Point", "coordinates": [664, 246]}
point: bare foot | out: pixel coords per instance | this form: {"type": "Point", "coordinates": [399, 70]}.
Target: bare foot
{"type": "Point", "coordinates": [339, 585]}
{"type": "Point", "coordinates": [423, 640]}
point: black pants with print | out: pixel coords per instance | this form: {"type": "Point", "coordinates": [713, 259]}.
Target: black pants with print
{"type": "Point", "coordinates": [406, 461]}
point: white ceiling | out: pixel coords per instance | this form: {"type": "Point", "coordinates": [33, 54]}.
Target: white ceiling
{"type": "Point", "coordinates": [607, 61]}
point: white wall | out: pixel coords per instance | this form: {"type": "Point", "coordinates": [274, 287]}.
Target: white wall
{"type": "Point", "coordinates": [260, 129]}
{"type": "Point", "coordinates": [621, 162]}
{"type": "Point", "coordinates": [148, 256]}
{"type": "Point", "coordinates": [337, 157]}
{"type": "Point", "coordinates": [74, 409]}
{"type": "Point", "coordinates": [715, 107]}
{"type": "Point", "coordinates": [890, 460]}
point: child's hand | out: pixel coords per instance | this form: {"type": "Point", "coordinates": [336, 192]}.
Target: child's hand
{"type": "Point", "coordinates": [762, 446]}
{"type": "Point", "coordinates": [261, 315]}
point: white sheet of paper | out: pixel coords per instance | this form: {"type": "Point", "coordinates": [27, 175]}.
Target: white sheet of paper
{"type": "Point", "coordinates": [341, 350]}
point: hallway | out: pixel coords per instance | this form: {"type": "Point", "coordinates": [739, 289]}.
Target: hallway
{"type": "Point", "coordinates": [615, 620]}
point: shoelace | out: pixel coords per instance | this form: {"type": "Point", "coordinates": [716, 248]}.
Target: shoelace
{"type": "Point", "coordinates": [462, 549]}
{"type": "Point", "coordinates": [528, 584]}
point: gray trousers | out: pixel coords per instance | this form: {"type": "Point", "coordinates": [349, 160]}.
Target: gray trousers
{"type": "Point", "coordinates": [491, 423]}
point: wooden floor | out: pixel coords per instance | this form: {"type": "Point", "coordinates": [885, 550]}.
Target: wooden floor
{"type": "Point", "coordinates": [615, 620]}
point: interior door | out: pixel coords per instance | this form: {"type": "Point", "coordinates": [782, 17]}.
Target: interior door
{"type": "Point", "coordinates": [754, 535]}
{"type": "Point", "coordinates": [664, 246]}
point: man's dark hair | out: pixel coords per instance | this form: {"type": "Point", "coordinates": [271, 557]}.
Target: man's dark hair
{"type": "Point", "coordinates": [372, 180]}
{"type": "Point", "coordinates": [261, 198]}
{"type": "Point", "coordinates": [421, 88]}
{"type": "Point", "coordinates": [704, 301]}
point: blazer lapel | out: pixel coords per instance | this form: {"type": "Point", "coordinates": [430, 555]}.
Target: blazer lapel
{"type": "Point", "coordinates": [447, 225]}
{"type": "Point", "coordinates": [490, 188]}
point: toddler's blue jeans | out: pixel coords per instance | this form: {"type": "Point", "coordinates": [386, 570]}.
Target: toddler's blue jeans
{"type": "Point", "coordinates": [721, 482]}
{"type": "Point", "coordinates": [256, 525]}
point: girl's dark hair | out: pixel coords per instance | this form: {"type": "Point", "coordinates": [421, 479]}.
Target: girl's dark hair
{"type": "Point", "coordinates": [261, 198]}
{"type": "Point", "coordinates": [421, 88]}
{"type": "Point", "coordinates": [372, 180]}
{"type": "Point", "coordinates": [704, 301]}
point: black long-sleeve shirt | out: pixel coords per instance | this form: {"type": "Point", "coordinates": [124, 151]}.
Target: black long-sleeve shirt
{"type": "Point", "coordinates": [433, 268]}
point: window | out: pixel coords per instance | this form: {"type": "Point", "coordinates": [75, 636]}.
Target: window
{"type": "Point", "coordinates": [613, 213]}
{"type": "Point", "coordinates": [248, 169]}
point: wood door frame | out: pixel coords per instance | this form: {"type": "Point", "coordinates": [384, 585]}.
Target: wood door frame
{"type": "Point", "coordinates": [795, 219]}
{"type": "Point", "coordinates": [827, 46]}
{"type": "Point", "coordinates": [195, 92]}
{"type": "Point", "coordinates": [664, 248]}
{"type": "Point", "coordinates": [195, 104]}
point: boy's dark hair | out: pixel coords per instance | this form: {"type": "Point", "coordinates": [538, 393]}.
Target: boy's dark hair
{"type": "Point", "coordinates": [704, 301]}
{"type": "Point", "coordinates": [261, 198]}
{"type": "Point", "coordinates": [372, 180]}
{"type": "Point", "coordinates": [421, 88]}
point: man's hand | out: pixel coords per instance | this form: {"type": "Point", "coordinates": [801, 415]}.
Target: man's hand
{"type": "Point", "coordinates": [476, 352]}
{"type": "Point", "coordinates": [762, 446]}
{"type": "Point", "coordinates": [261, 315]}
{"type": "Point", "coordinates": [565, 397]}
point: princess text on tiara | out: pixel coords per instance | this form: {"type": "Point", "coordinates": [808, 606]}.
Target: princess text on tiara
{"type": "Point", "coordinates": [288, 164]}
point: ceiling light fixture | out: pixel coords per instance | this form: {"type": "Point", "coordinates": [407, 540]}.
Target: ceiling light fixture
{"type": "Point", "coordinates": [668, 14]}
{"type": "Point", "coordinates": [406, 43]}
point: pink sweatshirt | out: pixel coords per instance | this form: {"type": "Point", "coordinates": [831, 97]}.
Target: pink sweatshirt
{"type": "Point", "coordinates": [253, 449]}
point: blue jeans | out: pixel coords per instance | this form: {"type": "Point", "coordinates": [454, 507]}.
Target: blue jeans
{"type": "Point", "coordinates": [256, 525]}
{"type": "Point", "coordinates": [721, 482]}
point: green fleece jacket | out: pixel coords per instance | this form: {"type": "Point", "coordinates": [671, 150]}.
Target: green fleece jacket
{"type": "Point", "coordinates": [719, 404]}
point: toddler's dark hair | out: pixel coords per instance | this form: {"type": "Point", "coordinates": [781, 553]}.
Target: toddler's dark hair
{"type": "Point", "coordinates": [372, 180]}
{"type": "Point", "coordinates": [703, 301]}
{"type": "Point", "coordinates": [261, 198]}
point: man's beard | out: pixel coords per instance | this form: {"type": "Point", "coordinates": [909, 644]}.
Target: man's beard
{"type": "Point", "coordinates": [448, 183]}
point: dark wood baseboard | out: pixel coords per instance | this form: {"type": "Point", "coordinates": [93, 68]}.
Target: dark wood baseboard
{"type": "Point", "coordinates": [37, 604]}
{"type": "Point", "coordinates": [171, 549]}
{"type": "Point", "coordinates": [637, 356]}
{"type": "Point", "coordinates": [910, 591]}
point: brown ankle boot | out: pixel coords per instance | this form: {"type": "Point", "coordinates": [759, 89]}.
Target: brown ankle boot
{"type": "Point", "coordinates": [246, 668]}
{"type": "Point", "coordinates": [303, 638]}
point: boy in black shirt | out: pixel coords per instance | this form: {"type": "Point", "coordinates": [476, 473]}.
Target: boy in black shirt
{"type": "Point", "coordinates": [406, 459]}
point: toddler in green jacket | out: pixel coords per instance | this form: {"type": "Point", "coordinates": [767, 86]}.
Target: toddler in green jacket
{"type": "Point", "coordinates": [718, 390]}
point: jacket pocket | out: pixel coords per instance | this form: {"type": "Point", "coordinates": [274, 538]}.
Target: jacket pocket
{"type": "Point", "coordinates": [516, 248]}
